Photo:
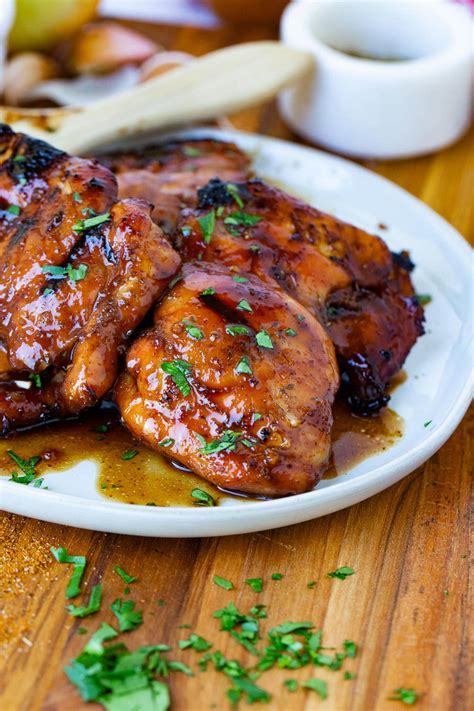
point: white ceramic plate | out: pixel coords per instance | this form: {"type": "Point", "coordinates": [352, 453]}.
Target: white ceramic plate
{"type": "Point", "coordinates": [439, 368]}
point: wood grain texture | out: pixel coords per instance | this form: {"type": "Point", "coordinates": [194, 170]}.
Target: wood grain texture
{"type": "Point", "coordinates": [408, 545]}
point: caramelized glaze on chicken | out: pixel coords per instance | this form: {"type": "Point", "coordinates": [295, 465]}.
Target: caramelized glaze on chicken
{"type": "Point", "coordinates": [78, 273]}
{"type": "Point", "coordinates": [168, 175]}
{"type": "Point", "coordinates": [235, 380]}
{"type": "Point", "coordinates": [348, 278]}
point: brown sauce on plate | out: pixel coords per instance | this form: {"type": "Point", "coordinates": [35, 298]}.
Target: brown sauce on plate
{"type": "Point", "coordinates": [151, 479]}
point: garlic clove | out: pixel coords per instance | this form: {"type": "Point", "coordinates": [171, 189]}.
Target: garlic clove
{"type": "Point", "coordinates": [25, 71]}
{"type": "Point", "coordinates": [105, 46]}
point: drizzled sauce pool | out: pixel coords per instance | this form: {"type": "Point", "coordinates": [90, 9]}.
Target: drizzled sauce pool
{"type": "Point", "coordinates": [149, 478]}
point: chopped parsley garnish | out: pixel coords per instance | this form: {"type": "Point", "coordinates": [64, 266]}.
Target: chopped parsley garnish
{"type": "Point", "coordinates": [79, 565]}
{"type": "Point", "coordinates": [341, 573]}
{"type": "Point", "coordinates": [237, 330]}
{"type": "Point", "coordinates": [36, 379]}
{"type": "Point", "coordinates": [82, 225]}
{"type": "Point", "coordinates": [291, 684]}
{"type": "Point", "coordinates": [76, 197]}
{"type": "Point", "coordinates": [428, 423]}
{"type": "Point", "coordinates": [233, 190]}
{"type": "Point", "coordinates": [277, 576]}
{"type": "Point", "coordinates": [207, 224]}
{"type": "Point", "coordinates": [242, 218]}
{"type": "Point", "coordinates": [227, 442]}
{"type": "Point", "coordinates": [27, 466]}
{"type": "Point", "coordinates": [256, 416]}
{"type": "Point", "coordinates": [317, 685]}
{"type": "Point", "coordinates": [202, 498]}
{"type": "Point", "coordinates": [74, 273]}
{"type": "Point", "coordinates": [290, 332]}
{"type": "Point", "coordinates": [130, 454]}
{"type": "Point", "coordinates": [254, 247]}
{"type": "Point", "coordinates": [210, 291]}
{"type": "Point", "coordinates": [128, 618]}
{"type": "Point", "coordinates": [239, 279]}
{"type": "Point", "coordinates": [243, 366]}
{"type": "Point", "coordinates": [255, 583]}
{"type": "Point", "coordinates": [191, 151]}
{"type": "Point", "coordinates": [102, 428]}
{"type": "Point", "coordinates": [263, 339]}
{"type": "Point", "coordinates": [349, 675]}
{"type": "Point", "coordinates": [194, 641]}
{"type": "Point", "coordinates": [179, 371]}
{"type": "Point", "coordinates": [91, 607]}
{"type": "Point", "coordinates": [125, 576]}
{"type": "Point", "coordinates": [406, 696]}
{"type": "Point", "coordinates": [244, 305]}
{"type": "Point", "coordinates": [167, 442]}
{"type": "Point", "coordinates": [223, 583]}
{"type": "Point", "coordinates": [14, 210]}
{"type": "Point", "coordinates": [350, 648]}
{"type": "Point", "coordinates": [311, 584]}
{"type": "Point", "coordinates": [19, 159]}
{"type": "Point", "coordinates": [193, 330]}
{"type": "Point", "coordinates": [424, 299]}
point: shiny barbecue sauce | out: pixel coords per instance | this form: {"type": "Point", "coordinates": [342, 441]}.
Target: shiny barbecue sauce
{"type": "Point", "coordinates": [149, 478]}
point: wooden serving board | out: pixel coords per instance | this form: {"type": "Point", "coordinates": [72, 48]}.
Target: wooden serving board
{"type": "Point", "coordinates": [407, 605]}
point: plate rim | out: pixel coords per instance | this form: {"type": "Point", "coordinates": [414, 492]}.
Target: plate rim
{"type": "Point", "coordinates": [200, 520]}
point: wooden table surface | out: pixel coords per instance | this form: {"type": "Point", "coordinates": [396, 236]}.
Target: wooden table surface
{"type": "Point", "coordinates": [407, 605]}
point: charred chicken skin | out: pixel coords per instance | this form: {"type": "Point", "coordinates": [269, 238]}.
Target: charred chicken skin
{"type": "Point", "coordinates": [169, 175]}
{"type": "Point", "coordinates": [78, 273]}
{"type": "Point", "coordinates": [236, 380]}
{"type": "Point", "coordinates": [348, 278]}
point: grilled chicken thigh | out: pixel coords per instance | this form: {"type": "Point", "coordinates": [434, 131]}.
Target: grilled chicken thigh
{"type": "Point", "coordinates": [78, 273]}
{"type": "Point", "coordinates": [236, 380]}
{"type": "Point", "coordinates": [168, 176]}
{"type": "Point", "coordinates": [359, 290]}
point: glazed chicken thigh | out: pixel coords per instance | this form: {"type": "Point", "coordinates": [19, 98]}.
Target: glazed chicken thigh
{"type": "Point", "coordinates": [168, 175]}
{"type": "Point", "coordinates": [78, 273]}
{"type": "Point", "coordinates": [348, 278]}
{"type": "Point", "coordinates": [236, 380]}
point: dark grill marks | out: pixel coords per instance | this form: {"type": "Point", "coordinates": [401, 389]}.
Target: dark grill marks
{"type": "Point", "coordinates": [37, 158]}
{"type": "Point", "coordinates": [21, 231]}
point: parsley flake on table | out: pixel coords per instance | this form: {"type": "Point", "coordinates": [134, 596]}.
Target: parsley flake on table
{"type": "Point", "coordinates": [317, 685]}
{"type": "Point", "coordinates": [428, 423]}
{"type": "Point", "coordinates": [311, 584]}
{"type": "Point", "coordinates": [223, 583]}
{"type": "Point", "coordinates": [193, 330]}
{"type": "Point", "coordinates": [349, 675]}
{"type": "Point", "coordinates": [79, 565]}
{"type": "Point", "coordinates": [350, 648]}
{"type": "Point", "coordinates": [128, 618]}
{"type": "Point", "coordinates": [27, 466]}
{"type": "Point", "coordinates": [341, 573]}
{"type": "Point", "coordinates": [263, 339]}
{"type": "Point", "coordinates": [255, 583]}
{"type": "Point", "coordinates": [179, 371]}
{"type": "Point", "coordinates": [243, 366]}
{"type": "Point", "coordinates": [207, 224]}
{"type": "Point", "coordinates": [125, 576]}
{"type": "Point", "coordinates": [83, 225]}
{"type": "Point", "coordinates": [194, 641]}
{"type": "Point", "coordinates": [202, 498]}
{"type": "Point", "coordinates": [406, 696]}
{"type": "Point", "coordinates": [277, 576]}
{"type": "Point", "coordinates": [91, 607]}
{"type": "Point", "coordinates": [244, 305]}
{"type": "Point", "coordinates": [129, 454]}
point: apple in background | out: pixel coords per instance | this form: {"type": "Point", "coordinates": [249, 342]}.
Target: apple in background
{"type": "Point", "coordinates": [41, 24]}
